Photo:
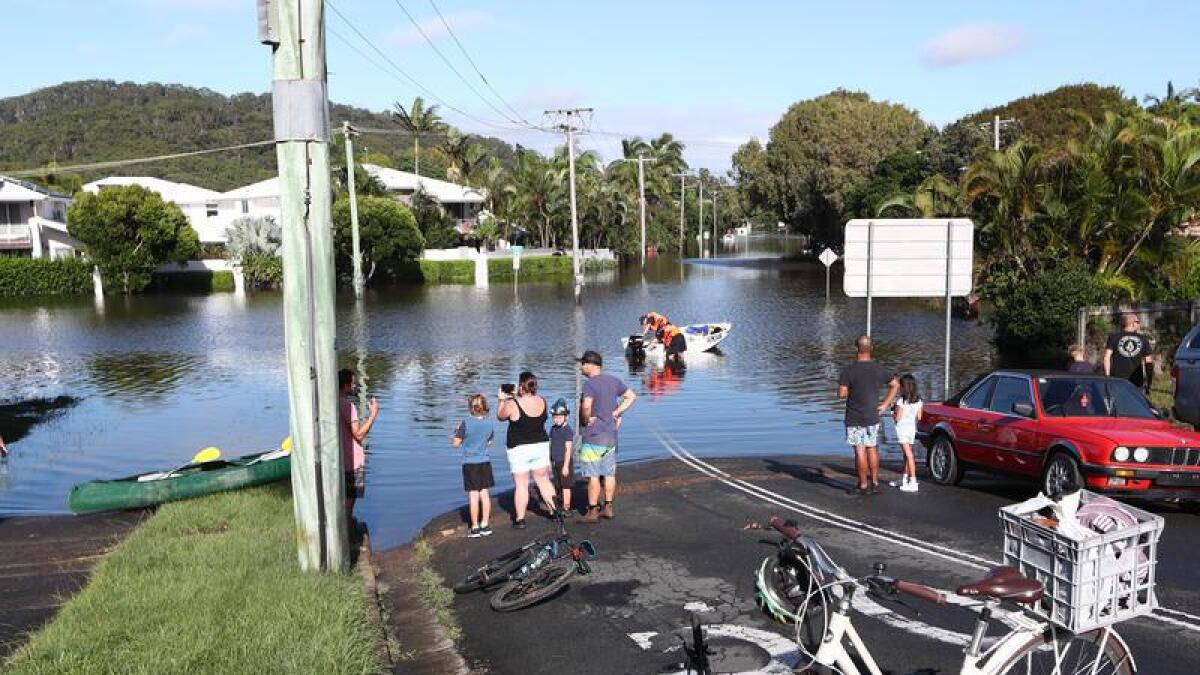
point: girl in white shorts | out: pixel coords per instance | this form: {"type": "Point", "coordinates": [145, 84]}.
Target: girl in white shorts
{"type": "Point", "coordinates": [906, 413]}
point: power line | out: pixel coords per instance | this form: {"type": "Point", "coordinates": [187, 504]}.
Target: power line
{"type": "Point", "coordinates": [450, 65]}
{"type": "Point", "coordinates": [471, 61]}
{"type": "Point", "coordinates": [24, 173]}
{"type": "Point", "coordinates": [411, 80]}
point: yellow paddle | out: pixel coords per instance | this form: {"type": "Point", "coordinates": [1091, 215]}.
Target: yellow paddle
{"type": "Point", "coordinates": [208, 454]}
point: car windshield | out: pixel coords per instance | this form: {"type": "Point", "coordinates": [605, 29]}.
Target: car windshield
{"type": "Point", "coordinates": [1092, 397]}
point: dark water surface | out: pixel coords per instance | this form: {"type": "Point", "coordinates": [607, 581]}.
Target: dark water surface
{"type": "Point", "coordinates": [155, 378]}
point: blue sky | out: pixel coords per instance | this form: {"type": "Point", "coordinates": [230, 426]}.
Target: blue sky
{"type": "Point", "coordinates": [712, 73]}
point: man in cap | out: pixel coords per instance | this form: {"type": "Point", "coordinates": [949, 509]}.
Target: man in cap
{"type": "Point", "coordinates": [603, 402]}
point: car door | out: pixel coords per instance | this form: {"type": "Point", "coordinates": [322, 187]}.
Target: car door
{"type": "Point", "coordinates": [1186, 373]}
{"type": "Point", "coordinates": [972, 411]}
{"type": "Point", "coordinates": [1011, 427]}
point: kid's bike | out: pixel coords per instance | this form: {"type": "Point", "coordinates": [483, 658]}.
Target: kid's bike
{"type": "Point", "coordinates": [531, 573]}
{"type": "Point", "coordinates": [802, 584]}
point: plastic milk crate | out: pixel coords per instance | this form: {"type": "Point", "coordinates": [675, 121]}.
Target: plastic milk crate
{"type": "Point", "coordinates": [1089, 583]}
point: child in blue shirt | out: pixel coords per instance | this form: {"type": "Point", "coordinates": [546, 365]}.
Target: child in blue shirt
{"type": "Point", "coordinates": [562, 437]}
{"type": "Point", "coordinates": [473, 436]}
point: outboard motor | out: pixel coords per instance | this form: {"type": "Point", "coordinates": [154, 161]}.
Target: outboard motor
{"type": "Point", "coordinates": [635, 349]}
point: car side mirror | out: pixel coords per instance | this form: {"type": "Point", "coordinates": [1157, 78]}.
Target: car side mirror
{"type": "Point", "coordinates": [1162, 413]}
{"type": "Point", "coordinates": [1022, 408]}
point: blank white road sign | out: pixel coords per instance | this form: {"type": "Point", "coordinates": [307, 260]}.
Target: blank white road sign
{"type": "Point", "coordinates": [907, 257]}
{"type": "Point", "coordinates": [827, 257]}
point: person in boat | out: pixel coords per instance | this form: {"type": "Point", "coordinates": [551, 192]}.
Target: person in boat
{"type": "Point", "coordinates": [652, 322]}
{"type": "Point", "coordinates": [673, 341]}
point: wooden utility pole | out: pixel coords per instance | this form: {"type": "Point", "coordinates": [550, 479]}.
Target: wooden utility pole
{"type": "Point", "coordinates": [569, 116]}
{"type": "Point", "coordinates": [356, 251]}
{"type": "Point", "coordinates": [700, 228]}
{"type": "Point", "coordinates": [641, 162]}
{"type": "Point", "coordinates": [296, 31]}
{"type": "Point", "coordinates": [715, 219]}
{"type": "Point", "coordinates": [682, 198]}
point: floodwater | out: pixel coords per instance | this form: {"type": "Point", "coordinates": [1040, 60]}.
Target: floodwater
{"type": "Point", "coordinates": [145, 382]}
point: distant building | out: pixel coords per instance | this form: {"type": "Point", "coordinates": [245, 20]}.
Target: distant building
{"type": "Point", "coordinates": [33, 221]}
{"type": "Point", "coordinates": [200, 205]}
{"type": "Point", "coordinates": [461, 201]}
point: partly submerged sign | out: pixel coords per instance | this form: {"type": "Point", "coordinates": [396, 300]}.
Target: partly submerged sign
{"type": "Point", "coordinates": [908, 257]}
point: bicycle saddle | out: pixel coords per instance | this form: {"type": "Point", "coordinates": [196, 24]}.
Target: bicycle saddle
{"type": "Point", "coordinates": [1005, 583]}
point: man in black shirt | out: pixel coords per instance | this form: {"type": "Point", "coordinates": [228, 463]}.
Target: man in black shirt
{"type": "Point", "coordinates": [859, 384]}
{"type": "Point", "coordinates": [1128, 353]}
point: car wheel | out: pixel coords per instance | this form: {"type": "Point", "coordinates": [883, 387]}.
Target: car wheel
{"type": "Point", "coordinates": [943, 461]}
{"type": "Point", "coordinates": [1060, 471]}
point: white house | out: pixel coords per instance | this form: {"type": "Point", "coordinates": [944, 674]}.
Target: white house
{"type": "Point", "coordinates": [257, 200]}
{"type": "Point", "coordinates": [200, 205]}
{"type": "Point", "coordinates": [33, 221]}
{"type": "Point", "coordinates": [461, 201]}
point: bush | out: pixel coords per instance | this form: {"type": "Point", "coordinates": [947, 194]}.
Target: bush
{"type": "Point", "coordinates": [541, 267]}
{"type": "Point", "coordinates": [262, 270]}
{"type": "Point", "coordinates": [1035, 314]}
{"type": "Point", "coordinates": [388, 237]}
{"type": "Point", "coordinates": [44, 276]}
{"type": "Point", "coordinates": [446, 271]}
{"type": "Point", "coordinates": [193, 282]}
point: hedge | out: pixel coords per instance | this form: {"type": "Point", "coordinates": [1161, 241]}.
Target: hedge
{"type": "Point", "coordinates": [45, 276]}
{"type": "Point", "coordinates": [447, 271]}
{"type": "Point", "coordinates": [193, 282]}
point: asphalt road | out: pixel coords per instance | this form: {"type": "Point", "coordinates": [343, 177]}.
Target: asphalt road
{"type": "Point", "coordinates": [678, 548]}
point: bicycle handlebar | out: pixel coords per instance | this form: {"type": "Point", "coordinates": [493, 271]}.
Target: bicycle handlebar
{"type": "Point", "coordinates": [789, 531]}
{"type": "Point", "coordinates": [923, 592]}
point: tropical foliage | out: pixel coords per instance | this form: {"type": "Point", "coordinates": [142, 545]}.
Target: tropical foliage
{"type": "Point", "coordinates": [128, 231]}
{"type": "Point", "coordinates": [419, 120]}
{"type": "Point", "coordinates": [388, 235]}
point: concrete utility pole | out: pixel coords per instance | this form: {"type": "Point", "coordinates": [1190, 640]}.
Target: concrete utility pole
{"type": "Point", "coordinates": [295, 29]}
{"type": "Point", "coordinates": [995, 125]}
{"type": "Point", "coordinates": [715, 218]}
{"type": "Point", "coordinates": [641, 162]}
{"type": "Point", "coordinates": [356, 251]}
{"type": "Point", "coordinates": [568, 126]}
{"type": "Point", "coordinates": [682, 200]}
{"type": "Point", "coordinates": [700, 227]}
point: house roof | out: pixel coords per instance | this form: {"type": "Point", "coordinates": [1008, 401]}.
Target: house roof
{"type": "Point", "coordinates": [13, 190]}
{"type": "Point", "coordinates": [443, 191]}
{"type": "Point", "coordinates": [262, 189]}
{"type": "Point", "coordinates": [180, 193]}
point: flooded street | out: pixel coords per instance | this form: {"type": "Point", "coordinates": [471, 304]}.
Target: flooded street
{"type": "Point", "coordinates": [152, 379]}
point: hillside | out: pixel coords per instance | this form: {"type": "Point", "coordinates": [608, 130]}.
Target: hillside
{"type": "Point", "coordinates": [100, 120]}
{"type": "Point", "coordinates": [1050, 118]}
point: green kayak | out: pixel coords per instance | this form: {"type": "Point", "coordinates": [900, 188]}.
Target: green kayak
{"type": "Point", "coordinates": [195, 480]}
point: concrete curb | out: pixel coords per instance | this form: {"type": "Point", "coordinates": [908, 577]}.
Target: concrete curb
{"type": "Point", "coordinates": [417, 643]}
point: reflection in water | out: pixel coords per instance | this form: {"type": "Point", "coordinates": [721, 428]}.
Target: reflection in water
{"type": "Point", "coordinates": [161, 376]}
{"type": "Point", "coordinates": [16, 419]}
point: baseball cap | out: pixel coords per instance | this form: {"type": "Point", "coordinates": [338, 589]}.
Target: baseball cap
{"type": "Point", "coordinates": [593, 357]}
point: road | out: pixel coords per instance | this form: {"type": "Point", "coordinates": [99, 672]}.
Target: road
{"type": "Point", "coordinates": [678, 548]}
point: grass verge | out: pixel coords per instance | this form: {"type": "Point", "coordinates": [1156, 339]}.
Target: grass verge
{"type": "Point", "coordinates": [434, 590]}
{"type": "Point", "coordinates": [209, 585]}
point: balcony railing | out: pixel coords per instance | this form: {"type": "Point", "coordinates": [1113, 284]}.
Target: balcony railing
{"type": "Point", "coordinates": [15, 236]}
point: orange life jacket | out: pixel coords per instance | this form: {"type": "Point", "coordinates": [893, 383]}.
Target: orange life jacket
{"type": "Point", "coordinates": [668, 333]}
{"type": "Point", "coordinates": [656, 321]}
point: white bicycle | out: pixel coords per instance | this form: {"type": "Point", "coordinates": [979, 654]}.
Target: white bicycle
{"type": "Point", "coordinates": [803, 585]}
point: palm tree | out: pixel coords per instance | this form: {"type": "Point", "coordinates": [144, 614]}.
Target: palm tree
{"type": "Point", "coordinates": [935, 197]}
{"type": "Point", "coordinates": [465, 158]}
{"type": "Point", "coordinates": [540, 193]}
{"type": "Point", "coordinates": [1010, 189]}
{"type": "Point", "coordinates": [419, 120]}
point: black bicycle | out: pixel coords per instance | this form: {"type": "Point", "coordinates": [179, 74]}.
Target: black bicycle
{"type": "Point", "coordinates": [531, 573]}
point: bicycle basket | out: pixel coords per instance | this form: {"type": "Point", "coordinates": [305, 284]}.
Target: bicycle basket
{"type": "Point", "coordinates": [1092, 582]}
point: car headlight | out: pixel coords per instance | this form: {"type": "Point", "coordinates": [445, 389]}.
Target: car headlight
{"type": "Point", "coordinates": [1121, 454]}
{"type": "Point", "coordinates": [1141, 454]}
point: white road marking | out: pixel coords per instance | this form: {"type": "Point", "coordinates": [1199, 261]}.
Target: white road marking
{"type": "Point", "coordinates": [697, 607]}
{"type": "Point", "coordinates": [785, 656]}
{"type": "Point", "coordinates": [1161, 614]}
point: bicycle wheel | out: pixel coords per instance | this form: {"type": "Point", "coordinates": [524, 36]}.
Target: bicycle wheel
{"type": "Point", "coordinates": [1057, 651]}
{"type": "Point", "coordinates": [492, 573]}
{"type": "Point", "coordinates": [539, 585]}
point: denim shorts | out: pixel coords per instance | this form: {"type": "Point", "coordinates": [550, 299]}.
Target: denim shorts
{"type": "Point", "coordinates": [865, 436]}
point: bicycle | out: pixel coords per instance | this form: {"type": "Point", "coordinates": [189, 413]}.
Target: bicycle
{"type": "Point", "coordinates": [531, 573]}
{"type": "Point", "coordinates": [802, 580]}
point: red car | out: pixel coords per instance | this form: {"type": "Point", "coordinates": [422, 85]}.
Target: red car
{"type": "Point", "coordinates": [1100, 432]}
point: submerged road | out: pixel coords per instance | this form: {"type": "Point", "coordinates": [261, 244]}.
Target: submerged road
{"type": "Point", "coordinates": [678, 548]}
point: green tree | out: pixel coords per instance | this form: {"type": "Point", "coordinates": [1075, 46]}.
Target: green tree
{"type": "Point", "coordinates": [435, 225]}
{"type": "Point", "coordinates": [129, 230]}
{"type": "Point", "coordinates": [824, 148]}
{"type": "Point", "coordinates": [388, 236]}
{"type": "Point", "coordinates": [466, 158]}
{"type": "Point", "coordinates": [420, 120]}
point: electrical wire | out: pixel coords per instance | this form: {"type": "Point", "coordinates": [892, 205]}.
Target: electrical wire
{"type": "Point", "coordinates": [474, 66]}
{"type": "Point", "coordinates": [409, 78]}
{"type": "Point", "coordinates": [24, 173]}
{"type": "Point", "coordinates": [450, 65]}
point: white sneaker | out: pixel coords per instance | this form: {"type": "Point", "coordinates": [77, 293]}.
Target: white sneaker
{"type": "Point", "coordinates": [910, 486]}
{"type": "Point", "coordinates": [899, 483]}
